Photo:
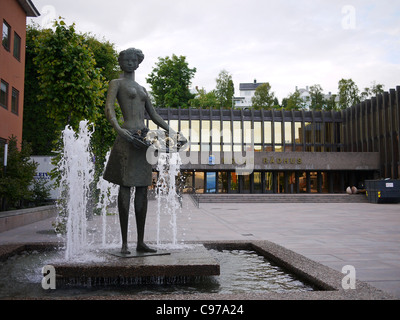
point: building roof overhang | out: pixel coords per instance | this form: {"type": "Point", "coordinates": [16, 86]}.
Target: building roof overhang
{"type": "Point", "coordinates": [29, 8]}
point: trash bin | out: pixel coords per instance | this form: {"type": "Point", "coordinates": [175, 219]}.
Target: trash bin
{"type": "Point", "coordinates": [383, 191]}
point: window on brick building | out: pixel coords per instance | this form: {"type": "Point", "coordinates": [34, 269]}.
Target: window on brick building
{"type": "Point", "coordinates": [6, 37]}
{"type": "Point", "coordinates": [17, 46]}
{"type": "Point", "coordinates": [14, 101]}
{"type": "Point", "coordinates": [4, 94]}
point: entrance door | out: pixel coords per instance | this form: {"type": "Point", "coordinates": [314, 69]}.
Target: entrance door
{"type": "Point", "coordinates": [211, 182]}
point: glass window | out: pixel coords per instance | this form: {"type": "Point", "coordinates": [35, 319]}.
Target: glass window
{"type": "Point", "coordinates": [216, 132]}
{"type": "Point", "coordinates": [267, 132]}
{"type": "Point", "coordinates": [174, 124]}
{"type": "Point", "coordinates": [211, 182]}
{"type": "Point", "coordinates": [257, 182]}
{"type": "Point", "coordinates": [17, 46]}
{"type": "Point", "coordinates": [205, 131]}
{"type": "Point", "coordinates": [237, 132]}
{"type": "Point", "coordinates": [328, 133]}
{"type": "Point", "coordinates": [6, 39]}
{"type": "Point", "coordinates": [268, 182]}
{"type": "Point", "coordinates": [185, 128]}
{"type": "Point", "coordinates": [152, 125]}
{"type": "Point", "coordinates": [298, 132]}
{"type": "Point", "coordinates": [288, 133]}
{"type": "Point", "coordinates": [309, 133]}
{"type": "Point", "coordinates": [314, 182]}
{"type": "Point", "coordinates": [199, 182]}
{"type": "Point", "coordinates": [278, 132]}
{"type": "Point", "coordinates": [195, 136]}
{"type": "Point", "coordinates": [195, 131]}
{"type": "Point", "coordinates": [318, 132]}
{"type": "Point", "coordinates": [4, 94]}
{"type": "Point", "coordinates": [257, 133]}
{"type": "Point", "coordinates": [247, 132]}
{"type": "Point", "coordinates": [246, 184]}
{"type": "Point", "coordinates": [187, 181]}
{"type": "Point", "coordinates": [14, 100]}
{"type": "Point", "coordinates": [303, 182]}
{"type": "Point", "coordinates": [226, 132]}
{"type": "Point", "coordinates": [234, 183]}
{"type": "Point", "coordinates": [222, 182]}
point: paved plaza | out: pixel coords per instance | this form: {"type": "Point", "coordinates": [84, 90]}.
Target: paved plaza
{"type": "Point", "coordinates": [366, 236]}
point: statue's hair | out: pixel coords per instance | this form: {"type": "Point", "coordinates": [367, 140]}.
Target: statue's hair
{"type": "Point", "coordinates": [137, 52]}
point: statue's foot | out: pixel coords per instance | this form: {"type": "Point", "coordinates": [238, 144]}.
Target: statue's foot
{"type": "Point", "coordinates": [144, 248]}
{"type": "Point", "coordinates": [124, 249]}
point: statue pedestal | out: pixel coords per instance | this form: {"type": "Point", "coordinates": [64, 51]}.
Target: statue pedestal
{"type": "Point", "coordinates": [173, 267]}
{"type": "Point", "coordinates": [135, 254]}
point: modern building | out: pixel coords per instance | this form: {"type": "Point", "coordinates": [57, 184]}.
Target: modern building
{"type": "Point", "coordinates": [13, 14]}
{"type": "Point", "coordinates": [278, 151]}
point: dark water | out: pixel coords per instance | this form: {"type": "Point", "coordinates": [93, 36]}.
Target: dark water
{"type": "Point", "coordinates": [241, 272]}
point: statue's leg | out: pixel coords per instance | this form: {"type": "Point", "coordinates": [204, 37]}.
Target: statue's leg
{"type": "Point", "coordinates": [141, 213]}
{"type": "Point", "coordinates": [124, 198]}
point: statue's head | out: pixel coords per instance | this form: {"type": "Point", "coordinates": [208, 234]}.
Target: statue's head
{"type": "Point", "coordinates": [130, 59]}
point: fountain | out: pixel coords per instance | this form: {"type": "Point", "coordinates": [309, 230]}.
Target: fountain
{"type": "Point", "coordinates": [96, 260]}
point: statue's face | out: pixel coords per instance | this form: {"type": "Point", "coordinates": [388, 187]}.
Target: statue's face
{"type": "Point", "coordinates": [129, 63]}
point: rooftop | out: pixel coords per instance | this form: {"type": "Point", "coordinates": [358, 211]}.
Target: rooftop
{"type": "Point", "coordinates": [29, 8]}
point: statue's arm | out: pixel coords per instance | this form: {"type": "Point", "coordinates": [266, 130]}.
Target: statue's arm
{"type": "Point", "coordinates": [110, 104]}
{"type": "Point", "coordinates": [156, 117]}
{"type": "Point", "coordinates": [110, 111]}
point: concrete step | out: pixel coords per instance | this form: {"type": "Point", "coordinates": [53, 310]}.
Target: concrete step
{"type": "Point", "coordinates": [281, 198]}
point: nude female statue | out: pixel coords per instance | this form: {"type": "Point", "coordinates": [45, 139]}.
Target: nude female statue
{"type": "Point", "coordinates": [127, 165]}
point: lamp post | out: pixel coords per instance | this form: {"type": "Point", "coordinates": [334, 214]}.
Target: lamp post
{"type": "Point", "coordinates": [3, 201]}
{"type": "Point", "coordinates": [5, 157]}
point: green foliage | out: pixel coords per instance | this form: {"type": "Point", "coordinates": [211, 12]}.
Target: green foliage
{"type": "Point", "coordinates": [204, 100]}
{"type": "Point", "coordinates": [368, 93]}
{"type": "Point", "coordinates": [348, 93]}
{"type": "Point", "coordinates": [38, 129]}
{"type": "Point", "coordinates": [294, 102]}
{"type": "Point", "coordinates": [224, 90]}
{"type": "Point", "coordinates": [317, 97]}
{"type": "Point", "coordinates": [101, 66]}
{"type": "Point", "coordinates": [70, 84]}
{"type": "Point", "coordinates": [170, 81]}
{"type": "Point", "coordinates": [16, 181]}
{"type": "Point", "coordinates": [264, 98]}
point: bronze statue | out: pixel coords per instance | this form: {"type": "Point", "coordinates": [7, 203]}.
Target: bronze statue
{"type": "Point", "coordinates": [127, 165]}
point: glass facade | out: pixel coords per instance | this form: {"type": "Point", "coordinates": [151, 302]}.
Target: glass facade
{"type": "Point", "coordinates": [372, 126]}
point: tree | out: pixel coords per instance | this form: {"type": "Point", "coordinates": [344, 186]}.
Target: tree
{"type": "Point", "coordinates": [70, 83]}
{"type": "Point", "coordinates": [374, 90]}
{"type": "Point", "coordinates": [348, 93]}
{"type": "Point", "coordinates": [38, 129]}
{"type": "Point", "coordinates": [224, 90]}
{"type": "Point", "coordinates": [170, 80]}
{"type": "Point", "coordinates": [263, 98]}
{"type": "Point", "coordinates": [204, 99]}
{"type": "Point", "coordinates": [330, 103]}
{"type": "Point", "coordinates": [294, 101]}
{"type": "Point", "coordinates": [317, 97]}
{"type": "Point", "coordinates": [15, 183]}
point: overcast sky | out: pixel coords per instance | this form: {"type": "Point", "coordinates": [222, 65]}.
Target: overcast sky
{"type": "Point", "coordinates": [287, 43]}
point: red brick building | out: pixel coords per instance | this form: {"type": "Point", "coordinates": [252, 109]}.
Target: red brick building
{"type": "Point", "coordinates": [13, 14]}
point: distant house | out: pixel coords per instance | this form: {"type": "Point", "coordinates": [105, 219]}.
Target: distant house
{"type": "Point", "coordinates": [247, 91]}
{"type": "Point", "coordinates": [13, 14]}
{"type": "Point", "coordinates": [305, 95]}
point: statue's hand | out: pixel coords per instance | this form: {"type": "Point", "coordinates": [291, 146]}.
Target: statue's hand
{"type": "Point", "coordinates": [124, 133]}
